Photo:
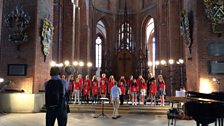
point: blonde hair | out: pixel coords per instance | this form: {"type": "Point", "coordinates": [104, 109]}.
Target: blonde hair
{"type": "Point", "coordinates": [94, 77]}
{"type": "Point", "coordinates": [160, 78]}
{"type": "Point", "coordinates": [111, 76]}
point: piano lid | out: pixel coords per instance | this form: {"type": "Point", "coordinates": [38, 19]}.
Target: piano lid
{"type": "Point", "coordinates": [217, 97]}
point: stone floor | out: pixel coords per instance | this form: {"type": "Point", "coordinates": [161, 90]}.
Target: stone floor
{"type": "Point", "coordinates": [86, 119]}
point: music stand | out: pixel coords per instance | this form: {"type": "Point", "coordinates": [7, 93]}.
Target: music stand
{"type": "Point", "coordinates": [102, 114]}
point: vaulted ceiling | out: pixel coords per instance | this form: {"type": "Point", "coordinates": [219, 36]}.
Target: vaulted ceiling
{"type": "Point", "coordinates": [117, 6]}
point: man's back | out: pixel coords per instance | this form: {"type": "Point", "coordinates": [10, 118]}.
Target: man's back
{"type": "Point", "coordinates": [54, 93]}
{"type": "Point", "coordinates": [115, 92]}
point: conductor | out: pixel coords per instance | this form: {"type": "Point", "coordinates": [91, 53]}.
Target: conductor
{"type": "Point", "coordinates": [115, 93]}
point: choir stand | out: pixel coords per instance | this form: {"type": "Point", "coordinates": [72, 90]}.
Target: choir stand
{"type": "Point", "coordinates": [102, 114]}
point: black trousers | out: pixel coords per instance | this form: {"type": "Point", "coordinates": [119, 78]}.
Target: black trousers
{"type": "Point", "coordinates": [59, 113]}
{"type": "Point", "coordinates": [94, 98]}
{"type": "Point", "coordinates": [121, 99]}
{"type": "Point", "coordinates": [86, 98]}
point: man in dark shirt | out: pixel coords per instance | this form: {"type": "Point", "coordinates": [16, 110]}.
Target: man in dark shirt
{"type": "Point", "coordinates": [59, 110]}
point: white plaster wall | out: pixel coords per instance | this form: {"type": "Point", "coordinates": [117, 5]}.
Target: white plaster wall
{"type": "Point", "coordinates": [21, 102]}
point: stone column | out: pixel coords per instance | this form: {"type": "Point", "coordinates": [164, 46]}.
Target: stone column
{"type": "Point", "coordinates": [192, 66]}
{"type": "Point", "coordinates": [1, 19]}
{"type": "Point", "coordinates": [57, 40]}
{"type": "Point", "coordinates": [84, 30]}
{"type": "Point", "coordinates": [41, 69]}
{"type": "Point", "coordinates": [162, 25]}
{"type": "Point", "coordinates": [78, 33]}
{"type": "Point", "coordinates": [68, 31]}
{"type": "Point", "coordinates": [176, 46]}
{"type": "Point", "coordinates": [88, 15]}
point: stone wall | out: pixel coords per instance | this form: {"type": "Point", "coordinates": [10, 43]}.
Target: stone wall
{"type": "Point", "coordinates": [30, 52]}
{"type": "Point", "coordinates": [23, 54]}
{"type": "Point", "coordinates": [198, 76]}
{"type": "Point", "coordinates": [20, 102]}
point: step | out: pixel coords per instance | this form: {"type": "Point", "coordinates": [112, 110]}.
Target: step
{"type": "Point", "coordinates": [108, 109]}
{"type": "Point", "coordinates": [82, 108]}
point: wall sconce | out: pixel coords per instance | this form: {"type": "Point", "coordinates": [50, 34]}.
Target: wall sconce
{"type": "Point", "coordinates": [150, 64]}
{"type": "Point", "coordinates": [89, 64]}
{"type": "Point", "coordinates": [53, 63]}
{"type": "Point", "coordinates": [157, 63]}
{"type": "Point", "coordinates": [75, 63]}
{"type": "Point", "coordinates": [1, 80]}
{"type": "Point", "coordinates": [163, 62]}
{"type": "Point", "coordinates": [81, 64]}
{"type": "Point", "coordinates": [216, 80]}
{"type": "Point", "coordinates": [171, 61]}
{"type": "Point", "coordinates": [66, 62]}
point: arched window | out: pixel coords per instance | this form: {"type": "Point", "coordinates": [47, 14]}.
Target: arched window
{"type": "Point", "coordinates": [151, 44]}
{"type": "Point", "coordinates": [125, 36]}
{"type": "Point", "coordinates": [101, 36]}
{"type": "Point", "coordinates": [98, 52]}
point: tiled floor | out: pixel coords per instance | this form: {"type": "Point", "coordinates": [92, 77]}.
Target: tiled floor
{"type": "Point", "coordinates": [86, 119]}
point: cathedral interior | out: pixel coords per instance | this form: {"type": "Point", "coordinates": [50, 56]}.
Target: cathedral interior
{"type": "Point", "coordinates": [180, 39]}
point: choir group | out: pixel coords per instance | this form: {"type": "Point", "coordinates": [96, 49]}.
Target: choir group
{"type": "Point", "coordinates": [137, 91]}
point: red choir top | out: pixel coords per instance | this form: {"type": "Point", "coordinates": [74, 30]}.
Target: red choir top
{"type": "Point", "coordinates": [88, 82]}
{"type": "Point", "coordinates": [95, 87]}
{"type": "Point", "coordinates": [103, 89]}
{"type": "Point", "coordinates": [144, 86]}
{"type": "Point", "coordinates": [86, 89]}
{"type": "Point", "coordinates": [122, 87]}
{"type": "Point", "coordinates": [105, 80]}
{"type": "Point", "coordinates": [121, 80]}
{"type": "Point", "coordinates": [139, 83]}
{"type": "Point", "coordinates": [77, 86]}
{"type": "Point", "coordinates": [111, 84]}
{"type": "Point", "coordinates": [162, 85]}
{"type": "Point", "coordinates": [153, 88]}
{"type": "Point", "coordinates": [134, 87]}
{"type": "Point", "coordinates": [70, 85]}
{"type": "Point", "coordinates": [80, 82]}
{"type": "Point", "coordinates": [130, 83]}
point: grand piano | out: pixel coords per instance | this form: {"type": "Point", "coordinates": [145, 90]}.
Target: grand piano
{"type": "Point", "coordinates": [205, 108]}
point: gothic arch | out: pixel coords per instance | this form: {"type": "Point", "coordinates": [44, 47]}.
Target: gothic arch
{"type": "Point", "coordinates": [148, 39]}
{"type": "Point", "coordinates": [143, 27]}
{"type": "Point", "coordinates": [107, 28]}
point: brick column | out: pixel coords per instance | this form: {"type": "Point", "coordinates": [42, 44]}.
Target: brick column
{"type": "Point", "coordinates": [68, 40]}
